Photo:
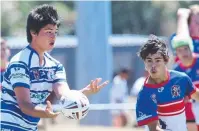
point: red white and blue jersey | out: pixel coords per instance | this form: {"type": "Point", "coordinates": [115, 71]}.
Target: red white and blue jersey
{"type": "Point", "coordinates": [24, 71]}
{"type": "Point", "coordinates": [165, 102]}
{"type": "Point", "coordinates": [192, 71]}
{"type": "Point", "coordinates": [195, 43]}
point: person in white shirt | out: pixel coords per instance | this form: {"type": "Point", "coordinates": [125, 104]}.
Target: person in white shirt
{"type": "Point", "coordinates": [138, 84]}
{"type": "Point", "coordinates": [119, 94]}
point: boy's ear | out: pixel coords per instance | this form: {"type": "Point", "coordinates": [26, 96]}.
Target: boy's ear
{"type": "Point", "coordinates": [33, 33]}
{"type": "Point", "coordinates": [167, 59]}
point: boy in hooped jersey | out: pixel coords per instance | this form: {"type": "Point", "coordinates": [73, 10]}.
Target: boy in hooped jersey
{"type": "Point", "coordinates": [160, 103]}
{"type": "Point", "coordinates": [32, 75]}
{"type": "Point", "coordinates": [188, 63]}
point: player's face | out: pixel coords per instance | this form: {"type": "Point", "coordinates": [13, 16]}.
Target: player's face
{"type": "Point", "coordinates": [155, 65]}
{"type": "Point", "coordinates": [194, 25]}
{"type": "Point", "coordinates": [184, 53]}
{"type": "Point", "coordinates": [46, 37]}
{"type": "Point", "coordinates": [125, 76]}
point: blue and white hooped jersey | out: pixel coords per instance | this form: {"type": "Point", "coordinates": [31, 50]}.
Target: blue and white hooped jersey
{"type": "Point", "coordinates": [24, 71]}
{"type": "Point", "coordinates": [165, 102]}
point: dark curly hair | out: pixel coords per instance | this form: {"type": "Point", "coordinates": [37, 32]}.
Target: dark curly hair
{"type": "Point", "coordinates": [152, 46]}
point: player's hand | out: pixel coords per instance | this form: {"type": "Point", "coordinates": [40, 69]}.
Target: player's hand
{"type": "Point", "coordinates": [94, 86]}
{"type": "Point", "coordinates": [49, 111]}
{"type": "Point", "coordinates": [183, 13]}
{"type": "Point", "coordinates": [186, 99]}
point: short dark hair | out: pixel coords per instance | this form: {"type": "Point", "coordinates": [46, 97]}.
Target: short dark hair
{"type": "Point", "coordinates": [39, 17]}
{"type": "Point", "coordinates": [152, 46]}
{"type": "Point", "coordinates": [124, 70]}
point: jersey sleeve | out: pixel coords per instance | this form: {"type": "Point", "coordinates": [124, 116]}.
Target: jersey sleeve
{"type": "Point", "coordinates": [60, 74]}
{"type": "Point", "coordinates": [146, 108]}
{"type": "Point", "coordinates": [18, 75]}
{"type": "Point", "coordinates": [190, 87]}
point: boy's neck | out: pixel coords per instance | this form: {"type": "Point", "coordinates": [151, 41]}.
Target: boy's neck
{"type": "Point", "coordinates": [187, 62]}
{"type": "Point", "coordinates": [39, 51]}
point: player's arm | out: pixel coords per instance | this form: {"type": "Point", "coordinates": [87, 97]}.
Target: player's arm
{"type": "Point", "coordinates": [195, 95]}
{"type": "Point", "coordinates": [20, 80]}
{"type": "Point", "coordinates": [26, 106]}
{"type": "Point", "coordinates": [61, 88]}
{"type": "Point", "coordinates": [146, 111]}
{"type": "Point", "coordinates": [154, 126]}
{"type": "Point", "coordinates": [182, 22]}
{"type": "Point", "coordinates": [191, 90]}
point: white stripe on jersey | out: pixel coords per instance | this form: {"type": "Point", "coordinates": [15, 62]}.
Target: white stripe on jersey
{"type": "Point", "coordinates": [9, 116]}
{"type": "Point", "coordinates": [169, 104]}
{"type": "Point", "coordinates": [12, 125]}
{"type": "Point", "coordinates": [171, 113]}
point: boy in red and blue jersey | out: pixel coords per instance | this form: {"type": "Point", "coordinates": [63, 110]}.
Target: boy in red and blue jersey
{"type": "Point", "coordinates": [188, 63]}
{"type": "Point", "coordinates": [160, 104]}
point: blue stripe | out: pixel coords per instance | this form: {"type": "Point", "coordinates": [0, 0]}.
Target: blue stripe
{"type": "Point", "coordinates": [14, 126]}
{"type": "Point", "coordinates": [20, 66]}
{"type": "Point", "coordinates": [41, 81]}
{"type": "Point", "coordinates": [59, 80]}
{"type": "Point", "coordinates": [6, 80]}
{"type": "Point", "coordinates": [39, 91]}
{"type": "Point", "coordinates": [60, 68]}
{"type": "Point", "coordinates": [43, 68]}
{"type": "Point", "coordinates": [9, 92]}
{"type": "Point", "coordinates": [9, 102]}
{"type": "Point", "coordinates": [18, 116]}
{"type": "Point", "coordinates": [17, 62]}
{"type": "Point", "coordinates": [8, 72]}
{"type": "Point", "coordinates": [30, 48]}
{"type": "Point", "coordinates": [18, 111]}
{"type": "Point", "coordinates": [19, 84]}
{"type": "Point", "coordinates": [30, 58]}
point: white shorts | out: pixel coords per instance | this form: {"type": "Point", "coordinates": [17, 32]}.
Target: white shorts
{"type": "Point", "coordinates": [195, 108]}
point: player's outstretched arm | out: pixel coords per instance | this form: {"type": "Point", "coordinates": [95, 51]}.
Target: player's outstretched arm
{"type": "Point", "coordinates": [195, 95]}
{"type": "Point", "coordinates": [26, 106]}
{"type": "Point", "coordinates": [182, 22]}
{"type": "Point", "coordinates": [154, 126]}
{"type": "Point", "coordinates": [62, 88]}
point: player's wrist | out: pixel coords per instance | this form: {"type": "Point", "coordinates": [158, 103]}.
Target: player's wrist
{"type": "Point", "coordinates": [85, 91]}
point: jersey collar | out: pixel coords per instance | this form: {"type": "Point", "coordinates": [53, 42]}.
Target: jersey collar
{"type": "Point", "coordinates": [157, 85]}
{"type": "Point", "coordinates": [34, 51]}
